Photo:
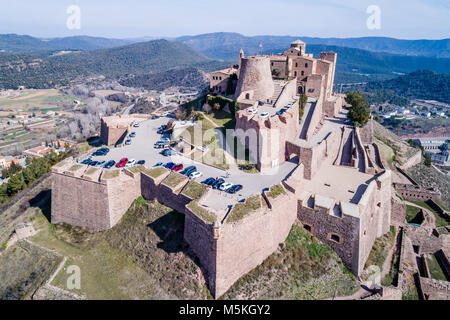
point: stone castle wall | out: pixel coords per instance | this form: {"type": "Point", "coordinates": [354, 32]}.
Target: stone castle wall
{"type": "Point", "coordinates": [243, 245]}
{"type": "Point", "coordinates": [416, 193]}
{"type": "Point", "coordinates": [415, 159]}
{"type": "Point", "coordinates": [323, 224]}
{"type": "Point", "coordinates": [95, 204]}
{"type": "Point", "coordinates": [398, 212]}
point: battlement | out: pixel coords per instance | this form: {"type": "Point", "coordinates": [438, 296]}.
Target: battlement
{"type": "Point", "coordinates": [113, 129]}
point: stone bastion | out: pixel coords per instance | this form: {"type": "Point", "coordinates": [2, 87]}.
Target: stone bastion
{"type": "Point", "coordinates": [225, 242]}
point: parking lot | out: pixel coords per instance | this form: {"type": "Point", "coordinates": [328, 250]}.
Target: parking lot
{"type": "Point", "coordinates": [142, 148]}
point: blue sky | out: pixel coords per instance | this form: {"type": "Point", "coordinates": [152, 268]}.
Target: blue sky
{"type": "Point", "coordinates": [406, 19]}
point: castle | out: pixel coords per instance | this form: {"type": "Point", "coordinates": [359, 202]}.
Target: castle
{"type": "Point", "coordinates": [339, 190]}
{"type": "Point", "coordinates": [269, 83]}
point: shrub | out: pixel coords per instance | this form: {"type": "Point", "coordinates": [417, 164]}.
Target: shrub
{"type": "Point", "coordinates": [359, 113]}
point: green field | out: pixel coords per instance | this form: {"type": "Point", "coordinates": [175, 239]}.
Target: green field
{"type": "Point", "coordinates": [42, 99]}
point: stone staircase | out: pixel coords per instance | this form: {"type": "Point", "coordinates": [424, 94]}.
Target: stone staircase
{"type": "Point", "coordinates": [276, 94]}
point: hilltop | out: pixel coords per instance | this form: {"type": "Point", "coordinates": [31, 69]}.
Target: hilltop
{"type": "Point", "coordinates": [14, 43]}
{"type": "Point", "coordinates": [420, 84]}
{"type": "Point", "coordinates": [37, 71]}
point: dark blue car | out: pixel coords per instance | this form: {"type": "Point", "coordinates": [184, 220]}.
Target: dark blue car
{"type": "Point", "coordinates": [188, 170]}
{"type": "Point", "coordinates": [209, 181]}
{"type": "Point", "coordinates": [235, 188]}
{"type": "Point", "coordinates": [169, 165]}
{"type": "Point", "coordinates": [218, 183]}
{"type": "Point", "coordinates": [109, 164]}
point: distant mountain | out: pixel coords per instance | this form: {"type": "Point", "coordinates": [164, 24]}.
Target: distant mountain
{"type": "Point", "coordinates": [13, 43]}
{"type": "Point", "coordinates": [421, 84]}
{"type": "Point", "coordinates": [224, 45]}
{"type": "Point", "coordinates": [140, 58]}
{"type": "Point", "coordinates": [354, 65]}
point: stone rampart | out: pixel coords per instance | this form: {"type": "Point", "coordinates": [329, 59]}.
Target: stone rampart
{"type": "Point", "coordinates": [416, 193]}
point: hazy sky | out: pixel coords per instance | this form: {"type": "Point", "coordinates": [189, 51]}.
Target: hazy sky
{"type": "Point", "coordinates": [407, 19]}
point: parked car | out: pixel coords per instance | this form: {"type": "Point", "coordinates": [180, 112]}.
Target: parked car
{"type": "Point", "coordinates": [217, 183]}
{"type": "Point", "coordinates": [187, 171]}
{"type": "Point", "coordinates": [109, 164]}
{"type": "Point", "coordinates": [251, 110]}
{"type": "Point", "coordinates": [86, 161]}
{"type": "Point", "coordinates": [133, 134]}
{"type": "Point", "coordinates": [235, 188]}
{"type": "Point", "coordinates": [128, 142]}
{"type": "Point", "coordinates": [122, 163]}
{"type": "Point", "coordinates": [136, 125]}
{"type": "Point", "coordinates": [130, 163]}
{"type": "Point", "coordinates": [195, 175]}
{"type": "Point", "coordinates": [100, 163]}
{"type": "Point", "coordinates": [159, 164]}
{"type": "Point", "coordinates": [161, 144]}
{"type": "Point", "coordinates": [177, 167]}
{"type": "Point", "coordinates": [264, 115]}
{"type": "Point", "coordinates": [140, 162]}
{"type": "Point", "coordinates": [209, 181]}
{"type": "Point", "coordinates": [169, 165]}
{"type": "Point", "coordinates": [101, 152]}
{"type": "Point", "coordinates": [168, 152]}
{"type": "Point", "coordinates": [225, 186]}
{"type": "Point", "coordinates": [92, 163]}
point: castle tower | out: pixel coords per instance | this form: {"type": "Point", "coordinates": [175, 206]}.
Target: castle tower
{"type": "Point", "coordinates": [331, 57]}
{"type": "Point", "coordinates": [256, 76]}
{"type": "Point", "coordinates": [241, 55]}
{"type": "Point", "coordinates": [300, 45]}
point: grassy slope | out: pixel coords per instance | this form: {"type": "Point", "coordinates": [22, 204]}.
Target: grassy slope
{"type": "Point", "coordinates": [303, 268]}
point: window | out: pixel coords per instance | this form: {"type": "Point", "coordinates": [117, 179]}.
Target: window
{"type": "Point", "coordinates": [306, 65]}
{"type": "Point", "coordinates": [308, 227]}
{"type": "Point", "coordinates": [247, 96]}
{"type": "Point", "coordinates": [334, 237]}
{"type": "Point", "coordinates": [303, 73]}
{"type": "Point", "coordinates": [295, 73]}
{"type": "Point", "coordinates": [296, 64]}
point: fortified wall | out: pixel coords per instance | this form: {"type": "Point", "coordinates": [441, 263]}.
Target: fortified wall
{"type": "Point", "coordinates": [89, 197]}
{"type": "Point", "coordinates": [350, 229]}
{"type": "Point", "coordinates": [114, 129]}
{"type": "Point", "coordinates": [416, 193]}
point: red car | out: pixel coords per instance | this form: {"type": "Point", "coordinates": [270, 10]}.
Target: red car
{"type": "Point", "coordinates": [177, 167]}
{"type": "Point", "coordinates": [122, 163]}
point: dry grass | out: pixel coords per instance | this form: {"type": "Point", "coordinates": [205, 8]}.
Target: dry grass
{"type": "Point", "coordinates": [194, 190]}
{"type": "Point", "coordinates": [23, 269]}
{"type": "Point", "coordinates": [240, 210]}
{"type": "Point", "coordinates": [275, 191]}
{"type": "Point", "coordinates": [174, 179]}
{"type": "Point", "coordinates": [202, 213]}
{"type": "Point", "coordinates": [380, 249]}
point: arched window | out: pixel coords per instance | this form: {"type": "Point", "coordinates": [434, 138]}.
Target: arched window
{"type": "Point", "coordinates": [247, 96]}
{"type": "Point", "coordinates": [303, 73]}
